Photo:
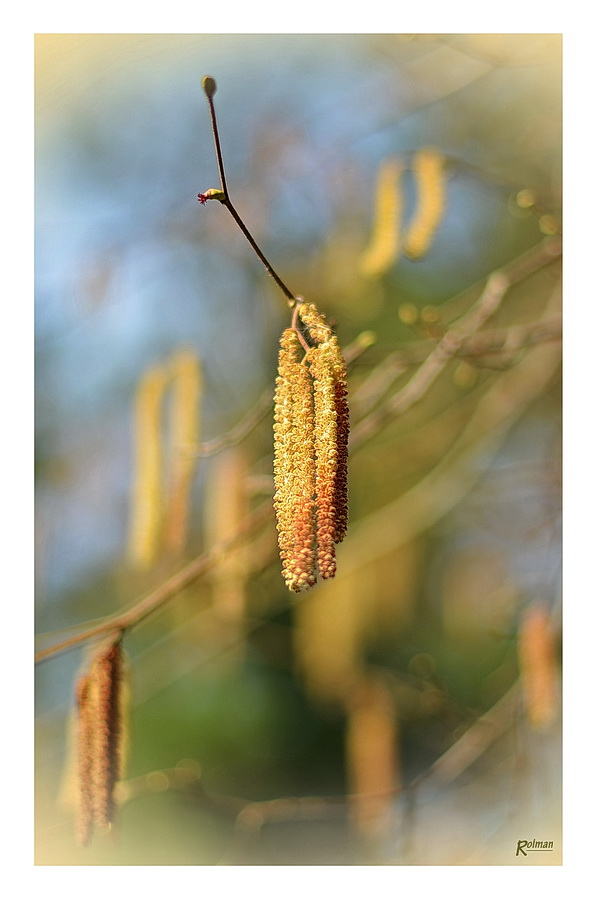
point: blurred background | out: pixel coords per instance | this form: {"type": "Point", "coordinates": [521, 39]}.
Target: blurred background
{"type": "Point", "coordinates": [157, 328]}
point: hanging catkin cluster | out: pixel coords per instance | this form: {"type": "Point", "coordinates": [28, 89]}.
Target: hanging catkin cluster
{"type": "Point", "coordinates": [100, 733]}
{"type": "Point", "coordinates": [310, 451]}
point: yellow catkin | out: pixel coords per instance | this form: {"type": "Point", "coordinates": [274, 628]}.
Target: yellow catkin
{"type": "Point", "coordinates": [226, 508]}
{"type": "Point", "coordinates": [147, 489]}
{"type": "Point", "coordinates": [318, 329]}
{"type": "Point", "coordinates": [184, 438]}
{"type": "Point", "coordinates": [384, 246]}
{"type": "Point", "coordinates": [371, 755]}
{"type": "Point", "coordinates": [311, 450]}
{"type": "Point", "coordinates": [100, 739]}
{"type": "Point", "coordinates": [538, 668]}
{"type": "Point", "coordinates": [283, 440]}
{"type": "Point", "coordinates": [429, 173]}
{"type": "Point", "coordinates": [294, 465]}
{"type": "Point", "coordinates": [328, 638]}
{"type": "Point", "coordinates": [328, 361]}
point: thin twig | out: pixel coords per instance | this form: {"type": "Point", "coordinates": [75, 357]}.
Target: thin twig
{"type": "Point", "coordinates": [445, 485]}
{"type": "Point", "coordinates": [209, 86]}
{"type": "Point", "coordinates": [218, 153]}
{"type": "Point", "coordinates": [251, 815]}
{"type": "Point", "coordinates": [240, 430]}
{"type": "Point", "coordinates": [477, 739]}
{"type": "Point", "coordinates": [292, 300]}
{"type": "Point", "coordinates": [436, 361]}
{"type": "Point", "coordinates": [453, 343]}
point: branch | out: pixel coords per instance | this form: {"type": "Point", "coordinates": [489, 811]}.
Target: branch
{"type": "Point", "coordinates": [210, 87]}
{"type": "Point", "coordinates": [452, 343]}
{"type": "Point", "coordinates": [477, 739]}
{"type": "Point", "coordinates": [162, 594]}
{"type": "Point", "coordinates": [506, 341]}
{"type": "Point", "coordinates": [438, 492]}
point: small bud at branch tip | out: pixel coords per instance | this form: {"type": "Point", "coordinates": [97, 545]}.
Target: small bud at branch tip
{"type": "Point", "coordinates": [209, 86]}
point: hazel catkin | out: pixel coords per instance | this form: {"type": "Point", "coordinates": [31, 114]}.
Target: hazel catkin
{"type": "Point", "coordinates": [311, 427]}
{"type": "Point", "coordinates": [294, 465]}
{"type": "Point", "coordinates": [99, 699]}
{"type": "Point", "coordinates": [326, 456]}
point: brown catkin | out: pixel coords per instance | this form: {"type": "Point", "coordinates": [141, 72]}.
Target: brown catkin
{"type": "Point", "coordinates": [340, 492]}
{"type": "Point", "coordinates": [538, 667]}
{"type": "Point", "coordinates": [326, 455]}
{"type": "Point", "coordinates": [107, 671]}
{"type": "Point", "coordinates": [372, 760]}
{"type": "Point", "coordinates": [331, 360]}
{"type": "Point", "coordinates": [84, 766]}
{"type": "Point", "coordinates": [100, 740]}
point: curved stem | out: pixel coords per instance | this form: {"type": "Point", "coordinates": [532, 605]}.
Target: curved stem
{"type": "Point", "coordinates": [218, 153]}
{"type": "Point", "coordinates": [225, 200]}
{"type": "Point", "coordinates": [271, 271]}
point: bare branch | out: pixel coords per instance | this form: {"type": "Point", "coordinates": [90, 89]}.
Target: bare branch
{"type": "Point", "coordinates": [453, 341]}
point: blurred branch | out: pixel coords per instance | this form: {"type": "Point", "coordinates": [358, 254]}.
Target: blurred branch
{"type": "Point", "coordinates": [503, 342]}
{"type": "Point", "coordinates": [476, 739]}
{"type": "Point", "coordinates": [250, 816]}
{"type": "Point", "coordinates": [164, 592]}
{"type": "Point", "coordinates": [435, 362]}
{"type": "Point", "coordinates": [512, 339]}
{"type": "Point", "coordinates": [441, 489]}
{"type": "Point", "coordinates": [458, 340]}
{"type": "Point", "coordinates": [242, 428]}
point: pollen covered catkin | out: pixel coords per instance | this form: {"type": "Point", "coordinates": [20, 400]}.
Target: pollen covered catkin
{"type": "Point", "coordinates": [311, 451]}
{"type": "Point", "coordinates": [294, 470]}
{"type": "Point", "coordinates": [318, 329]}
